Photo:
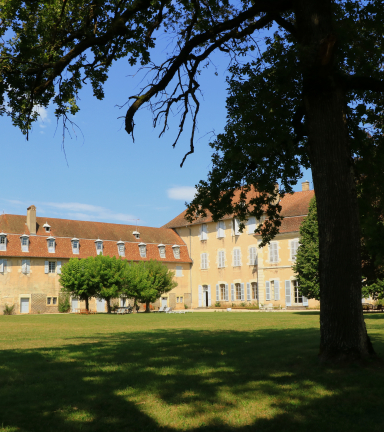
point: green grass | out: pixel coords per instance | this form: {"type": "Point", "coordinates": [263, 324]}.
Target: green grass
{"type": "Point", "coordinates": [155, 372]}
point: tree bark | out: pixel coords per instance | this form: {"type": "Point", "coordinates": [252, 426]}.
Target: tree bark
{"type": "Point", "coordinates": [108, 305]}
{"type": "Point", "coordinates": [87, 303]}
{"type": "Point", "coordinates": [147, 310]}
{"type": "Point", "coordinates": [343, 333]}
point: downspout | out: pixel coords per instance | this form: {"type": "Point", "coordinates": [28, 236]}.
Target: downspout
{"type": "Point", "coordinates": [190, 256]}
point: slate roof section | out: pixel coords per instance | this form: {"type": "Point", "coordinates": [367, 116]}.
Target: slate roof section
{"type": "Point", "coordinates": [87, 232]}
{"type": "Point", "coordinates": [296, 204]}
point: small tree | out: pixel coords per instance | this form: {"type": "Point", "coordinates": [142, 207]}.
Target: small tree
{"type": "Point", "coordinates": [75, 279]}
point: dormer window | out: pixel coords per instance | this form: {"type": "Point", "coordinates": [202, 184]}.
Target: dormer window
{"type": "Point", "coordinates": [75, 245]}
{"type": "Point", "coordinates": [161, 250]}
{"type": "Point", "coordinates": [51, 244]}
{"type": "Point", "coordinates": [24, 243]}
{"type": "Point", "coordinates": [143, 250]}
{"type": "Point", "coordinates": [3, 241]}
{"type": "Point", "coordinates": [47, 227]}
{"type": "Point", "coordinates": [99, 247]}
{"type": "Point", "coordinates": [121, 248]}
{"type": "Point", "coordinates": [176, 251]}
{"type": "Point", "coordinates": [136, 234]}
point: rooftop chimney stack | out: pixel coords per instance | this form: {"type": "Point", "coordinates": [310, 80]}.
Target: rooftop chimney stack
{"type": "Point", "coordinates": [305, 186]}
{"type": "Point", "coordinates": [31, 219]}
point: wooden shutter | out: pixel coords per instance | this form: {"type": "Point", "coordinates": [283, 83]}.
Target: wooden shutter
{"type": "Point", "coordinates": [267, 291]}
{"type": "Point", "coordinates": [232, 292]}
{"type": "Point", "coordinates": [200, 296]}
{"type": "Point", "coordinates": [277, 290]}
{"type": "Point", "coordinates": [226, 292]}
{"type": "Point", "coordinates": [305, 301]}
{"type": "Point", "coordinates": [248, 291]}
{"type": "Point", "coordinates": [287, 293]}
{"type": "Point", "coordinates": [58, 268]}
{"type": "Point", "coordinates": [217, 292]}
{"type": "Point", "coordinates": [242, 291]}
{"type": "Point", "coordinates": [209, 295]}
{"type": "Point", "coordinates": [46, 266]}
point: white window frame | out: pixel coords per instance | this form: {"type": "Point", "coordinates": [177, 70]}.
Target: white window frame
{"type": "Point", "coordinates": [179, 271]}
{"type": "Point", "coordinates": [176, 251]}
{"type": "Point", "coordinates": [236, 257]}
{"type": "Point", "coordinates": [162, 251]}
{"type": "Point", "coordinates": [24, 247]}
{"type": "Point", "coordinates": [51, 243]}
{"type": "Point", "coordinates": [235, 226]}
{"type": "Point", "coordinates": [251, 225]}
{"type": "Point", "coordinates": [143, 250]}
{"type": "Point", "coordinates": [273, 252]}
{"type": "Point", "coordinates": [25, 266]}
{"type": "Point", "coordinates": [3, 242]}
{"type": "Point", "coordinates": [253, 255]}
{"type": "Point", "coordinates": [99, 247]}
{"type": "Point", "coordinates": [293, 246]}
{"type": "Point", "coordinates": [75, 250]}
{"type": "Point", "coordinates": [204, 232]}
{"type": "Point", "coordinates": [254, 291]}
{"type": "Point", "coordinates": [221, 259]}
{"type": "Point", "coordinates": [204, 261]}
{"type": "Point", "coordinates": [220, 229]}
{"type": "Point", "coordinates": [52, 266]}
{"type": "Point", "coordinates": [121, 248]}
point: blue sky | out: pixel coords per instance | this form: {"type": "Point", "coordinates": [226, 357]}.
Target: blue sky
{"type": "Point", "coordinates": [106, 177]}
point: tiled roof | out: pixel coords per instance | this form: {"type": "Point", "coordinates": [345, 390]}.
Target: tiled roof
{"type": "Point", "coordinates": [64, 230]}
{"type": "Point", "coordinates": [296, 204]}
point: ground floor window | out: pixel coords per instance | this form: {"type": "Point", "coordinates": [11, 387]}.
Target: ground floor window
{"type": "Point", "coordinates": [238, 291]}
{"type": "Point", "coordinates": [52, 267]}
{"type": "Point", "coordinates": [179, 299]}
{"type": "Point", "coordinates": [222, 292]}
{"type": "Point", "coordinates": [51, 301]}
{"type": "Point", "coordinates": [298, 296]}
{"type": "Point", "coordinates": [254, 290]}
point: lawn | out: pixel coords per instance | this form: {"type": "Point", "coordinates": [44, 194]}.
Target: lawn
{"type": "Point", "coordinates": [202, 371]}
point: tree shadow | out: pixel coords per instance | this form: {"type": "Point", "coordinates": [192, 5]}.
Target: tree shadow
{"type": "Point", "coordinates": [169, 380]}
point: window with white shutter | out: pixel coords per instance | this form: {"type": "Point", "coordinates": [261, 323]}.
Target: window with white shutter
{"type": "Point", "coordinates": [253, 255]}
{"type": "Point", "coordinates": [24, 243]}
{"type": "Point", "coordinates": [236, 224]}
{"type": "Point", "coordinates": [248, 291]}
{"type": "Point", "coordinates": [1, 266]}
{"type": "Point", "coordinates": [274, 252]}
{"type": "Point", "coordinates": [176, 251]}
{"type": "Point", "coordinates": [236, 257]}
{"type": "Point", "coordinates": [99, 247]}
{"type": "Point", "coordinates": [121, 248]}
{"type": "Point", "coordinates": [221, 259]}
{"type": "Point", "coordinates": [75, 245]}
{"type": "Point", "coordinates": [267, 291]}
{"type": "Point", "coordinates": [143, 250]}
{"type": "Point", "coordinates": [25, 266]}
{"type": "Point", "coordinates": [226, 293]}
{"type": "Point", "coordinates": [3, 242]}
{"type": "Point", "coordinates": [204, 261]}
{"type": "Point", "coordinates": [51, 266]}
{"type": "Point", "coordinates": [161, 250]}
{"type": "Point", "coordinates": [51, 244]}
{"type": "Point", "coordinates": [277, 289]}
{"type": "Point", "coordinates": [220, 229]}
{"type": "Point", "coordinates": [58, 267]}
{"type": "Point", "coordinates": [232, 292]}
{"type": "Point", "coordinates": [293, 249]}
{"type": "Point", "coordinates": [254, 290]}
{"type": "Point", "coordinates": [251, 225]}
{"type": "Point", "coordinates": [217, 292]}
{"type": "Point", "coordinates": [179, 271]}
{"type": "Point", "coordinates": [204, 232]}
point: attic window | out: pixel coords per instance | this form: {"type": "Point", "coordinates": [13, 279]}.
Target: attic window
{"type": "Point", "coordinates": [99, 247]}
{"type": "Point", "coordinates": [136, 234]}
{"type": "Point", "coordinates": [24, 243]}
{"type": "Point", "coordinates": [161, 250]}
{"type": "Point", "coordinates": [47, 227]}
{"type": "Point", "coordinates": [3, 241]}
{"type": "Point", "coordinates": [75, 245]}
{"type": "Point", "coordinates": [143, 250]}
{"type": "Point", "coordinates": [121, 248]}
{"type": "Point", "coordinates": [51, 244]}
{"type": "Point", "coordinates": [176, 251]}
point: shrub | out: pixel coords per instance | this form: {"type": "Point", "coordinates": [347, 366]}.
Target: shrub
{"type": "Point", "coordinates": [243, 304]}
{"type": "Point", "coordinates": [64, 303]}
{"type": "Point", "coordinates": [9, 309]}
{"type": "Point", "coordinates": [217, 304]}
{"type": "Point", "coordinates": [185, 306]}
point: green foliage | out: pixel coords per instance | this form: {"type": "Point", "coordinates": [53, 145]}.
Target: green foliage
{"type": "Point", "coordinates": [64, 302]}
{"type": "Point", "coordinates": [306, 266]}
{"type": "Point", "coordinates": [9, 309]}
{"type": "Point", "coordinates": [217, 304]}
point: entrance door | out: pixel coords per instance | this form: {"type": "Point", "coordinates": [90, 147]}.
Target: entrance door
{"type": "Point", "coordinates": [24, 305]}
{"type": "Point", "coordinates": [75, 304]}
{"type": "Point", "coordinates": [206, 295]}
{"type": "Point", "coordinates": [164, 302]}
{"type": "Point", "coordinates": [100, 305]}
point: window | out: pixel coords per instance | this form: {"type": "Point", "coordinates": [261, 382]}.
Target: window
{"type": "Point", "coordinates": [3, 265]}
{"type": "Point", "coordinates": [121, 248]}
{"type": "Point", "coordinates": [221, 260]}
{"type": "Point", "coordinates": [253, 255]}
{"type": "Point", "coordinates": [238, 291]}
{"type": "Point", "coordinates": [176, 251]}
{"type": "Point", "coordinates": [161, 250]}
{"type": "Point", "coordinates": [3, 242]}
{"type": "Point", "coordinates": [274, 252]}
{"type": "Point", "coordinates": [236, 257]}
{"type": "Point", "coordinates": [143, 250]}
{"type": "Point", "coordinates": [179, 271]}
{"type": "Point", "coordinates": [25, 266]}
{"type": "Point", "coordinates": [75, 245]}
{"type": "Point", "coordinates": [47, 227]}
{"type": "Point", "coordinates": [99, 247]}
{"type": "Point", "coordinates": [254, 290]}
{"type": "Point", "coordinates": [204, 232]}
{"type": "Point", "coordinates": [24, 243]}
{"type": "Point", "coordinates": [294, 244]}
{"type": "Point", "coordinates": [222, 292]}
{"type": "Point", "coordinates": [52, 267]}
{"type": "Point", "coordinates": [179, 299]}
{"type": "Point", "coordinates": [251, 225]}
{"type": "Point", "coordinates": [236, 224]}
{"type": "Point", "coordinates": [204, 261]}
{"type": "Point", "coordinates": [298, 296]}
{"type": "Point", "coordinates": [136, 234]}
{"type": "Point", "coordinates": [220, 229]}
{"type": "Point", "coordinates": [51, 301]}
{"type": "Point", "coordinates": [51, 244]}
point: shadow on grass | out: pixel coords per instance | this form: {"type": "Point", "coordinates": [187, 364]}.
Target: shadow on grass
{"type": "Point", "coordinates": [264, 380]}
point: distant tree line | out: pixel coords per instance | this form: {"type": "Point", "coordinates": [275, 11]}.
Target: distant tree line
{"type": "Point", "coordinates": [107, 278]}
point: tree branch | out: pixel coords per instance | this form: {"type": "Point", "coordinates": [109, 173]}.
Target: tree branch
{"type": "Point", "coordinates": [289, 27]}
{"type": "Point", "coordinates": [355, 82]}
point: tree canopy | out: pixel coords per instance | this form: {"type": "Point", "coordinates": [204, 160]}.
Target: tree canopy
{"type": "Point", "coordinates": [312, 98]}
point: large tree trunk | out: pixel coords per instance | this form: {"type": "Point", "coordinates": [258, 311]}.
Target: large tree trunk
{"type": "Point", "coordinates": [343, 333]}
{"type": "Point", "coordinates": [87, 303]}
{"type": "Point", "coordinates": [147, 309]}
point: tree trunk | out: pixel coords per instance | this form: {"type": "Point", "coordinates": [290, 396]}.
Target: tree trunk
{"type": "Point", "coordinates": [343, 334]}
{"type": "Point", "coordinates": [108, 300]}
{"type": "Point", "coordinates": [147, 310]}
{"type": "Point", "coordinates": [87, 303]}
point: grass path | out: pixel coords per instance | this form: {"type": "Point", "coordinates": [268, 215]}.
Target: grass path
{"type": "Point", "coordinates": [157, 372]}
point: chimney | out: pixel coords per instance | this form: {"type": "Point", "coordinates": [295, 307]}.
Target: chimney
{"type": "Point", "coordinates": [31, 219]}
{"type": "Point", "coordinates": [305, 186]}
